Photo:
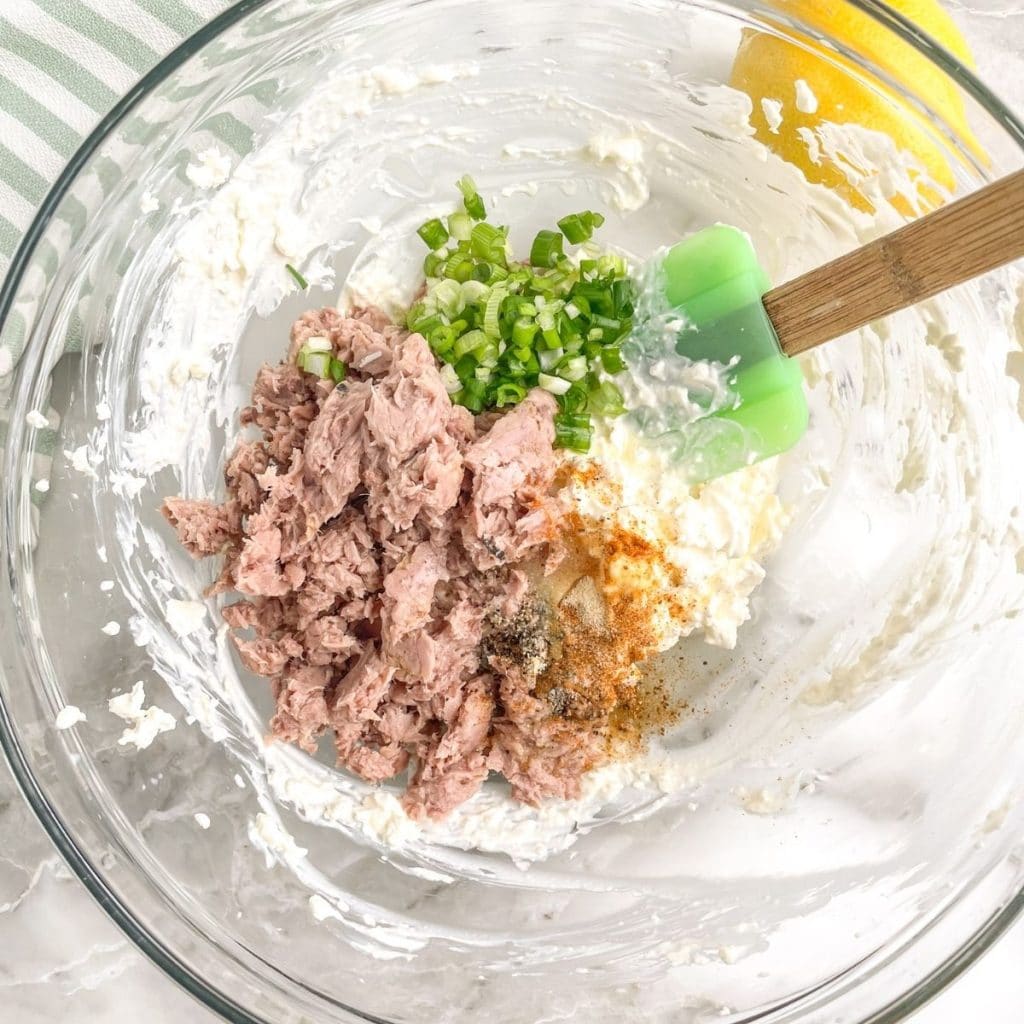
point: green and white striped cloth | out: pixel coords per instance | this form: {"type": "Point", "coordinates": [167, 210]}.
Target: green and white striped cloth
{"type": "Point", "coordinates": [63, 65]}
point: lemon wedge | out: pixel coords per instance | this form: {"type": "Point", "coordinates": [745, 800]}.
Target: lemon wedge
{"type": "Point", "coordinates": [795, 84]}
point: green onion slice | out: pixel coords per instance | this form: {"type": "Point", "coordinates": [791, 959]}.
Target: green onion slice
{"type": "Point", "coordinates": [546, 250]}
{"type": "Point", "coordinates": [299, 279]}
{"type": "Point", "coordinates": [434, 233]}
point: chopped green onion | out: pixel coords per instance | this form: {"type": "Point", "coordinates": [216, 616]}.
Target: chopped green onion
{"type": "Point", "coordinates": [491, 326]}
{"type": "Point", "coordinates": [618, 334]}
{"type": "Point", "coordinates": [434, 233]}
{"type": "Point", "coordinates": [573, 434]}
{"type": "Point", "coordinates": [574, 368]}
{"type": "Point", "coordinates": [524, 331]}
{"type": "Point", "coordinates": [499, 327]}
{"type": "Point", "coordinates": [426, 325]}
{"type": "Point", "coordinates": [549, 360]}
{"type": "Point", "coordinates": [546, 250]}
{"type": "Point", "coordinates": [581, 303]}
{"type": "Point", "coordinates": [509, 393]}
{"type": "Point", "coordinates": [573, 419]}
{"type": "Point", "coordinates": [472, 395]}
{"type": "Point", "coordinates": [465, 366]}
{"type": "Point", "coordinates": [442, 340]}
{"type": "Point", "coordinates": [487, 242]}
{"type": "Point", "coordinates": [460, 226]}
{"type": "Point", "coordinates": [318, 363]}
{"type": "Point", "coordinates": [448, 295]}
{"type": "Point", "coordinates": [612, 361]}
{"type": "Point", "coordinates": [623, 294]}
{"type": "Point", "coordinates": [551, 338]}
{"type": "Point", "coordinates": [578, 227]}
{"type": "Point", "coordinates": [339, 371]}
{"type": "Point", "coordinates": [555, 385]}
{"type": "Point", "coordinates": [470, 342]}
{"type": "Point", "coordinates": [433, 264]}
{"type": "Point", "coordinates": [459, 267]}
{"type": "Point", "coordinates": [611, 264]}
{"type": "Point", "coordinates": [471, 198]}
{"type": "Point", "coordinates": [575, 399]}
{"type": "Point", "coordinates": [487, 355]}
{"type": "Point", "coordinates": [450, 378]}
{"type": "Point", "coordinates": [474, 292]}
{"type": "Point", "coordinates": [299, 279]}
{"type": "Point", "coordinates": [606, 400]}
{"type": "Point", "coordinates": [418, 311]}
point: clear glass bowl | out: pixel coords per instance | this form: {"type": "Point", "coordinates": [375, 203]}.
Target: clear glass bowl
{"type": "Point", "coordinates": [864, 848]}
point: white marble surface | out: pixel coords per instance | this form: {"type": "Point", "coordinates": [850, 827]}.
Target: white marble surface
{"type": "Point", "coordinates": [62, 960]}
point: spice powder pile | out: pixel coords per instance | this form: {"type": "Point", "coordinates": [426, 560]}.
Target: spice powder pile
{"type": "Point", "coordinates": [602, 618]}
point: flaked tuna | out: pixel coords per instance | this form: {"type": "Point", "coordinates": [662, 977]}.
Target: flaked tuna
{"type": "Point", "coordinates": [375, 532]}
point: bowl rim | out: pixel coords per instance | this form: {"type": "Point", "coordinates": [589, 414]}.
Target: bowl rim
{"type": "Point", "coordinates": [898, 1009]}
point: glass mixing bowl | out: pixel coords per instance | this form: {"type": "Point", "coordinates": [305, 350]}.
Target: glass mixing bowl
{"type": "Point", "coordinates": [845, 835]}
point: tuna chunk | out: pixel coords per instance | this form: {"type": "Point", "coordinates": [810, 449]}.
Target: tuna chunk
{"type": "Point", "coordinates": [284, 403]}
{"type": "Point", "coordinates": [414, 463]}
{"type": "Point", "coordinates": [242, 473]}
{"type": "Point", "coordinates": [301, 705]}
{"type": "Point", "coordinates": [451, 768]}
{"type": "Point", "coordinates": [512, 469]}
{"type": "Point", "coordinates": [409, 592]}
{"type": "Point", "coordinates": [374, 531]}
{"type": "Point", "coordinates": [204, 528]}
{"type": "Point", "coordinates": [333, 453]}
{"type": "Point", "coordinates": [542, 756]}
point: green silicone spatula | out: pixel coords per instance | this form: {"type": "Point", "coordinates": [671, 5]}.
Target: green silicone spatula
{"type": "Point", "coordinates": [733, 316]}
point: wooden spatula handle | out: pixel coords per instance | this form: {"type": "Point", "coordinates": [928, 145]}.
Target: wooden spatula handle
{"type": "Point", "coordinates": [955, 243]}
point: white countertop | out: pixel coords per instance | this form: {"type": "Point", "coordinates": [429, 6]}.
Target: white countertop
{"type": "Point", "coordinates": [62, 960]}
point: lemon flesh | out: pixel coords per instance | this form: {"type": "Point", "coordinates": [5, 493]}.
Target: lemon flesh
{"type": "Point", "coordinates": [768, 67]}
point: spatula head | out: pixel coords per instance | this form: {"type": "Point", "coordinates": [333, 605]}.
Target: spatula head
{"type": "Point", "coordinates": [714, 280]}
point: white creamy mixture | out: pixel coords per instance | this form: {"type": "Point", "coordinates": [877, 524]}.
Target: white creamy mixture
{"type": "Point", "coordinates": [143, 724]}
{"type": "Point", "coordinates": [281, 205]}
{"type": "Point", "coordinates": [717, 535]}
{"type": "Point", "coordinates": [68, 717]}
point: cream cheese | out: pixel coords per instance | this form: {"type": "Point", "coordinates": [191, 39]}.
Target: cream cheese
{"type": "Point", "coordinates": [185, 617]}
{"type": "Point", "coordinates": [210, 169]}
{"type": "Point", "coordinates": [717, 534]}
{"type": "Point", "coordinates": [144, 724]}
{"type": "Point", "coordinates": [772, 113]}
{"type": "Point", "coordinates": [68, 717]}
{"type": "Point", "coordinates": [806, 101]}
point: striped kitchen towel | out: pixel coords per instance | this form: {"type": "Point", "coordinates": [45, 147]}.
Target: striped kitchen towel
{"type": "Point", "coordinates": [63, 65]}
